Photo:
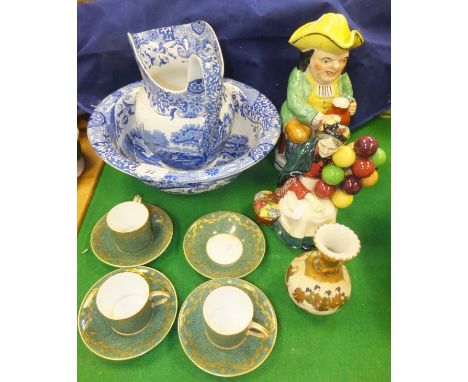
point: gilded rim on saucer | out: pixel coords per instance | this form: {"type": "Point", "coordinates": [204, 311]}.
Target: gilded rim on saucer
{"type": "Point", "coordinates": [105, 249]}
{"type": "Point", "coordinates": [99, 337]}
{"type": "Point", "coordinates": [247, 231]}
{"type": "Point", "coordinates": [248, 356]}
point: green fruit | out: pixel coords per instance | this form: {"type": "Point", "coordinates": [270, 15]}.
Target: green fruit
{"type": "Point", "coordinates": [332, 174]}
{"type": "Point", "coordinates": [379, 157]}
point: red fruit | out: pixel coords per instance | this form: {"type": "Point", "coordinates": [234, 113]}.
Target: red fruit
{"type": "Point", "coordinates": [351, 184]}
{"type": "Point", "coordinates": [324, 190]}
{"type": "Point", "coordinates": [363, 167]}
{"type": "Point", "coordinates": [366, 146]}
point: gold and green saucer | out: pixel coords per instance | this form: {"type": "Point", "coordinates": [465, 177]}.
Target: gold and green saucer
{"type": "Point", "coordinates": [249, 355]}
{"type": "Point", "coordinates": [106, 250]}
{"type": "Point", "coordinates": [224, 244]}
{"type": "Point", "coordinates": [99, 337]}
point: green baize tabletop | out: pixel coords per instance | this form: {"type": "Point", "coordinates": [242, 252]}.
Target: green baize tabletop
{"type": "Point", "coordinates": [350, 345]}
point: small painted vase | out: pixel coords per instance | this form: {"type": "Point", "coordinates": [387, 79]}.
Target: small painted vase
{"type": "Point", "coordinates": [318, 281]}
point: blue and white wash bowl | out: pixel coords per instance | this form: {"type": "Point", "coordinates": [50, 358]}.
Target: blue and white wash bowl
{"type": "Point", "coordinates": [183, 110]}
{"type": "Point", "coordinates": [119, 140]}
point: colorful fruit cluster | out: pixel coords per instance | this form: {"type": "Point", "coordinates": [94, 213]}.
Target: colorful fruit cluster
{"type": "Point", "coordinates": [354, 166]}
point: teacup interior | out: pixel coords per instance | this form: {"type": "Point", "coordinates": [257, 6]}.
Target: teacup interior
{"type": "Point", "coordinates": [122, 295]}
{"type": "Point", "coordinates": [224, 248]}
{"type": "Point", "coordinates": [228, 310]}
{"type": "Point", "coordinates": [127, 217]}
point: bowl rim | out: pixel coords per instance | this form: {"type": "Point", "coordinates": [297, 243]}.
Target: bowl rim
{"type": "Point", "coordinates": [104, 147]}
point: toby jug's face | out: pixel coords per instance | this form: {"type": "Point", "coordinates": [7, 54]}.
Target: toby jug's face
{"type": "Point", "coordinates": [326, 67]}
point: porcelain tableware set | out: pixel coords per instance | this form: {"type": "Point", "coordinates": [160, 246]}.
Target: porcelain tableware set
{"type": "Point", "coordinates": [183, 129]}
{"type": "Point", "coordinates": [130, 310]}
{"type": "Point", "coordinates": [226, 326]}
{"type": "Point", "coordinates": [186, 129]}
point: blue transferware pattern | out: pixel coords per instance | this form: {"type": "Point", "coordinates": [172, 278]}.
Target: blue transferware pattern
{"type": "Point", "coordinates": [182, 122]}
{"type": "Point", "coordinates": [117, 139]}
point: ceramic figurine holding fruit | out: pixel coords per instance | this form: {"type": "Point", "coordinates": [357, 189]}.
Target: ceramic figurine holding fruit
{"type": "Point", "coordinates": [301, 210]}
{"type": "Point", "coordinates": [318, 85]}
{"type": "Point", "coordinates": [322, 175]}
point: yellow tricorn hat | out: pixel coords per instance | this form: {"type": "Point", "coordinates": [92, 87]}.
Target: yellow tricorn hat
{"type": "Point", "coordinates": [330, 33]}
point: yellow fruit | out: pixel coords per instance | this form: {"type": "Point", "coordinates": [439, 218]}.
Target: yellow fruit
{"type": "Point", "coordinates": [351, 144]}
{"type": "Point", "coordinates": [341, 199]}
{"type": "Point", "coordinates": [370, 180]}
{"type": "Point", "coordinates": [344, 156]}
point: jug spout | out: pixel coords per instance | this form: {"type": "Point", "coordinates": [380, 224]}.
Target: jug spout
{"type": "Point", "coordinates": [168, 57]}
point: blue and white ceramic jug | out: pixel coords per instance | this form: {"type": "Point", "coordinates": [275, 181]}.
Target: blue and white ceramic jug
{"type": "Point", "coordinates": [183, 110]}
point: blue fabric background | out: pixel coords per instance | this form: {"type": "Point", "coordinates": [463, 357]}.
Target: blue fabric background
{"type": "Point", "coordinates": [254, 40]}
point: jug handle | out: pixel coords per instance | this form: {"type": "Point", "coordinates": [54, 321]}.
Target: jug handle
{"type": "Point", "coordinates": [207, 67]}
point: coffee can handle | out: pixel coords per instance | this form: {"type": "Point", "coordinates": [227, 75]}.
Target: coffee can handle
{"type": "Point", "coordinates": [165, 297]}
{"type": "Point", "coordinates": [137, 198]}
{"type": "Point", "coordinates": [257, 330]}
